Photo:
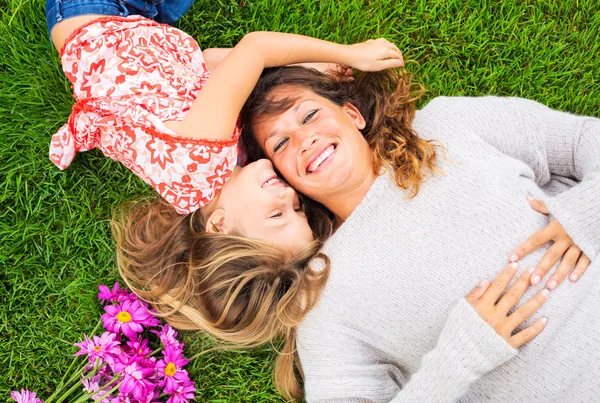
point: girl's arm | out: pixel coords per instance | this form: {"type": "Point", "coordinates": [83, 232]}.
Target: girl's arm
{"type": "Point", "coordinates": [214, 56]}
{"type": "Point", "coordinates": [214, 113]}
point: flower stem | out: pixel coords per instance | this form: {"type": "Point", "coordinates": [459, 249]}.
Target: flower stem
{"type": "Point", "coordinates": [68, 393]}
{"type": "Point", "coordinates": [104, 396]}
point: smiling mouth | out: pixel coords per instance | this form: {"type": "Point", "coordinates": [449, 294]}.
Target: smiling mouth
{"type": "Point", "coordinates": [273, 180]}
{"type": "Point", "coordinates": [316, 163]}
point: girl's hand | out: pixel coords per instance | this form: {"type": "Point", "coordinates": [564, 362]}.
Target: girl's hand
{"type": "Point", "coordinates": [375, 55]}
{"type": "Point", "coordinates": [563, 248]}
{"type": "Point", "coordinates": [483, 300]}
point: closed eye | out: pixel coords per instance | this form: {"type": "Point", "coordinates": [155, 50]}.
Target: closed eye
{"type": "Point", "coordinates": [280, 144]}
{"type": "Point", "coordinates": [277, 215]}
{"type": "Point", "coordinates": [309, 116]}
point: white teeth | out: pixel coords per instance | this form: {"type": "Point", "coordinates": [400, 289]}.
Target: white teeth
{"type": "Point", "coordinates": [271, 181]}
{"type": "Point", "coordinates": [315, 164]}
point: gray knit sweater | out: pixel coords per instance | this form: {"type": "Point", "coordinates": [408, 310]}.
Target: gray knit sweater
{"type": "Point", "coordinates": [392, 323]}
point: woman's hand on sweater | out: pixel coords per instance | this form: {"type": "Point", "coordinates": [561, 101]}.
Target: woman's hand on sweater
{"type": "Point", "coordinates": [572, 258]}
{"type": "Point", "coordinates": [486, 301]}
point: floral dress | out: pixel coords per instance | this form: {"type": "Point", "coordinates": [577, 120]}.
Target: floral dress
{"type": "Point", "coordinates": [129, 75]}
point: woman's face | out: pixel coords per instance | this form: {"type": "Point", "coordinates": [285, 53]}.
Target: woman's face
{"type": "Point", "coordinates": [315, 144]}
{"type": "Point", "coordinates": [259, 205]}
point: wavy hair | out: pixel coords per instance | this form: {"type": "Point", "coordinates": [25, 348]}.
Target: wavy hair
{"type": "Point", "coordinates": [241, 291]}
{"type": "Point", "coordinates": [386, 100]}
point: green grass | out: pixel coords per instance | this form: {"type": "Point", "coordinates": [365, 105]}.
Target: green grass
{"type": "Point", "coordinates": [55, 243]}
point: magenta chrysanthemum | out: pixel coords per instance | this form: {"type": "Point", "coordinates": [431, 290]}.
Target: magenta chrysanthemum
{"type": "Point", "coordinates": [183, 394]}
{"type": "Point", "coordinates": [128, 317]}
{"type": "Point", "coordinates": [138, 347]}
{"type": "Point", "coordinates": [170, 369]}
{"type": "Point", "coordinates": [116, 294]}
{"type": "Point", "coordinates": [24, 396]}
{"type": "Point", "coordinates": [104, 347]}
{"type": "Point", "coordinates": [136, 381]}
{"type": "Point", "coordinates": [167, 336]}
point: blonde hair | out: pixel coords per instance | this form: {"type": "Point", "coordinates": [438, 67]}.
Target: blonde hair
{"type": "Point", "coordinates": [242, 291]}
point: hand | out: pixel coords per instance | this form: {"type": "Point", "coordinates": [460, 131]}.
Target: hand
{"type": "Point", "coordinates": [563, 247]}
{"type": "Point", "coordinates": [340, 72]}
{"type": "Point", "coordinates": [375, 55]}
{"type": "Point", "coordinates": [483, 300]}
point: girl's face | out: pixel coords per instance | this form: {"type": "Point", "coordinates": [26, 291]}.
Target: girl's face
{"type": "Point", "coordinates": [315, 144]}
{"type": "Point", "coordinates": [259, 205]}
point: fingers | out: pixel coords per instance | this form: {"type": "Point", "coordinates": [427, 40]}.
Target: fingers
{"type": "Point", "coordinates": [569, 260]}
{"type": "Point", "coordinates": [525, 311]}
{"type": "Point", "coordinates": [389, 64]}
{"type": "Point", "coordinates": [478, 292]}
{"type": "Point", "coordinates": [537, 205]}
{"type": "Point", "coordinates": [582, 265]}
{"type": "Point", "coordinates": [535, 241]}
{"type": "Point", "coordinates": [528, 333]}
{"type": "Point", "coordinates": [498, 286]}
{"type": "Point", "coordinates": [552, 255]}
{"type": "Point", "coordinates": [514, 294]}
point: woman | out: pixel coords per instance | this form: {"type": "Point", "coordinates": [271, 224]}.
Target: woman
{"type": "Point", "coordinates": [426, 205]}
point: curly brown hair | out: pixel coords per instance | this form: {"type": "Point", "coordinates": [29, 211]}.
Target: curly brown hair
{"type": "Point", "coordinates": [386, 100]}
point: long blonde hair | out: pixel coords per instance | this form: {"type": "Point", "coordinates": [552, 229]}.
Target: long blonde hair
{"type": "Point", "coordinates": [242, 291]}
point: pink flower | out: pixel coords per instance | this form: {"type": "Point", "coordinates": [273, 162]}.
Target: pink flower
{"type": "Point", "coordinates": [183, 394]}
{"type": "Point", "coordinates": [92, 385]}
{"type": "Point", "coordinates": [128, 317]}
{"type": "Point", "coordinates": [170, 369]}
{"type": "Point", "coordinates": [138, 346]}
{"type": "Point", "coordinates": [136, 381]}
{"type": "Point", "coordinates": [116, 294]}
{"type": "Point", "coordinates": [104, 347]}
{"type": "Point", "coordinates": [24, 397]}
{"type": "Point", "coordinates": [168, 336]}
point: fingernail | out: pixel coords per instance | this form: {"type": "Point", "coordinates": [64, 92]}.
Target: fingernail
{"type": "Point", "coordinates": [552, 285]}
{"type": "Point", "coordinates": [545, 293]}
{"type": "Point", "coordinates": [574, 277]}
{"type": "Point", "coordinates": [482, 283]}
{"type": "Point", "coordinates": [531, 270]}
{"type": "Point", "coordinates": [514, 265]}
{"type": "Point", "coordinates": [514, 258]}
{"type": "Point", "coordinates": [535, 280]}
{"type": "Point", "coordinates": [530, 197]}
{"type": "Point", "coordinates": [544, 321]}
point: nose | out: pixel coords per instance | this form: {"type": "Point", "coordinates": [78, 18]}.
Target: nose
{"type": "Point", "coordinates": [308, 140]}
{"type": "Point", "coordinates": [286, 194]}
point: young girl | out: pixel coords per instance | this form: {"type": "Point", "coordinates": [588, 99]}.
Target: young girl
{"type": "Point", "coordinates": [145, 97]}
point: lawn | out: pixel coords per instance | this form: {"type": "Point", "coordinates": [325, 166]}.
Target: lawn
{"type": "Point", "coordinates": [55, 241]}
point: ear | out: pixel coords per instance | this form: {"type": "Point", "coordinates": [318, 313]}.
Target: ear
{"type": "Point", "coordinates": [354, 114]}
{"type": "Point", "coordinates": [216, 222]}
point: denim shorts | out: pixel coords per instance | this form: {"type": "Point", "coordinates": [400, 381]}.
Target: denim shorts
{"type": "Point", "coordinates": [163, 11]}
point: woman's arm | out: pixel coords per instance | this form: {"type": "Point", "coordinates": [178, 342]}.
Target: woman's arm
{"type": "Point", "coordinates": [214, 113]}
{"type": "Point", "coordinates": [553, 144]}
{"type": "Point", "coordinates": [476, 338]}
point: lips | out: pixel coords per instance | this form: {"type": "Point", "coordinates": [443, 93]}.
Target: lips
{"type": "Point", "coordinates": [318, 158]}
{"type": "Point", "coordinates": [271, 180]}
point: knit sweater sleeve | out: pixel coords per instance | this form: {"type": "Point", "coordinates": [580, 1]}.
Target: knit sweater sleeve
{"type": "Point", "coordinates": [339, 368]}
{"type": "Point", "coordinates": [554, 144]}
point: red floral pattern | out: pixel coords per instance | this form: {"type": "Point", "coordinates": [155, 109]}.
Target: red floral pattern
{"type": "Point", "coordinates": [129, 76]}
